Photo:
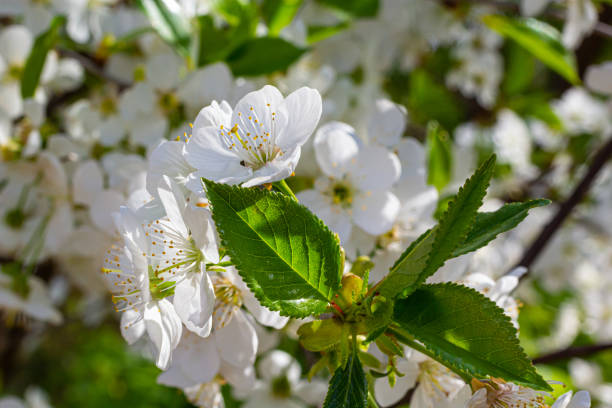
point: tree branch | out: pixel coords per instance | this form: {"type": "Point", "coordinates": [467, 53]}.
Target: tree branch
{"type": "Point", "coordinates": [91, 65]}
{"type": "Point", "coordinates": [536, 248]}
{"type": "Point", "coordinates": [570, 352]}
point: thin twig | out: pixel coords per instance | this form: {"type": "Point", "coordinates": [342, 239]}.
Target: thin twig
{"type": "Point", "coordinates": [571, 352]}
{"type": "Point", "coordinates": [536, 248]}
{"type": "Point", "coordinates": [90, 64]}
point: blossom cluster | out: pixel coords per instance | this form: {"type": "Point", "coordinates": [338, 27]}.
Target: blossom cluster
{"type": "Point", "coordinates": [103, 165]}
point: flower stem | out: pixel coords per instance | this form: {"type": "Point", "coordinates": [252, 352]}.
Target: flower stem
{"type": "Point", "coordinates": [283, 187]}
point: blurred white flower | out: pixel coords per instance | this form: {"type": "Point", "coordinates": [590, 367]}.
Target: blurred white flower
{"type": "Point", "coordinates": [356, 188]}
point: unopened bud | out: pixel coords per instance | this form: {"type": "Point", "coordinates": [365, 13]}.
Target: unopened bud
{"type": "Point", "coordinates": [352, 286]}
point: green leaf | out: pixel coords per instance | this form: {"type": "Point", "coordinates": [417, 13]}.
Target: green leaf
{"type": "Point", "coordinates": [264, 55]}
{"type": "Point", "coordinates": [535, 105]}
{"type": "Point", "coordinates": [428, 99]}
{"type": "Point", "coordinates": [356, 8]}
{"type": "Point", "coordinates": [540, 39]}
{"type": "Point", "coordinates": [36, 60]}
{"type": "Point", "coordinates": [279, 13]}
{"type": "Point", "coordinates": [439, 156]}
{"type": "Point", "coordinates": [317, 33]}
{"type": "Point", "coordinates": [166, 18]}
{"type": "Point", "coordinates": [490, 224]}
{"type": "Point", "coordinates": [467, 332]}
{"type": "Point", "coordinates": [429, 252]}
{"type": "Point", "coordinates": [320, 335]}
{"type": "Point", "coordinates": [287, 256]}
{"type": "Point", "coordinates": [216, 42]}
{"type": "Point", "coordinates": [519, 70]}
{"type": "Point", "coordinates": [348, 388]}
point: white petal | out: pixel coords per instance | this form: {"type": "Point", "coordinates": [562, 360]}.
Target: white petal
{"type": "Point", "coordinates": [387, 124]}
{"type": "Point", "coordinates": [262, 314]}
{"type": "Point", "coordinates": [205, 152]}
{"type": "Point", "coordinates": [87, 182]}
{"type": "Point", "coordinates": [278, 169]}
{"type": "Point", "coordinates": [173, 201]}
{"type": "Point", "coordinates": [599, 78]}
{"type": "Point", "coordinates": [10, 99]}
{"type": "Point", "coordinates": [15, 44]}
{"type": "Point", "coordinates": [312, 392]}
{"type": "Point", "coordinates": [582, 399]}
{"type": "Point", "coordinates": [164, 329]}
{"type": "Point", "coordinates": [203, 231]}
{"type": "Point", "coordinates": [237, 341]}
{"type": "Point", "coordinates": [205, 85]}
{"type": "Point", "coordinates": [194, 299]}
{"type": "Point", "coordinates": [104, 204]}
{"type": "Point", "coordinates": [387, 395]}
{"type": "Point", "coordinates": [242, 378]}
{"type": "Point", "coordinates": [580, 21]}
{"type": "Point", "coordinates": [563, 400]}
{"type": "Point", "coordinates": [163, 71]}
{"type": "Point", "coordinates": [333, 216]}
{"type": "Point", "coordinates": [533, 7]}
{"type": "Point", "coordinates": [132, 325]}
{"type": "Point", "coordinates": [376, 169]}
{"type": "Point", "coordinates": [195, 361]}
{"type": "Point", "coordinates": [277, 363]}
{"type": "Point", "coordinates": [377, 212]}
{"type": "Point", "coordinates": [335, 147]}
{"type": "Point", "coordinates": [112, 130]}
{"type": "Point", "coordinates": [214, 115]}
{"type": "Point", "coordinates": [304, 108]}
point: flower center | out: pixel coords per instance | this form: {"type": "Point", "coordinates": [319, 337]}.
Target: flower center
{"type": "Point", "coordinates": [281, 387]}
{"type": "Point", "coordinates": [389, 237]}
{"type": "Point", "coordinates": [253, 139]}
{"type": "Point", "coordinates": [229, 300]}
{"type": "Point", "coordinates": [13, 73]}
{"type": "Point", "coordinates": [171, 253]}
{"type": "Point", "coordinates": [341, 194]}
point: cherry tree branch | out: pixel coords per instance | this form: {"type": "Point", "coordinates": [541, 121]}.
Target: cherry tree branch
{"type": "Point", "coordinates": [570, 352]}
{"type": "Point", "coordinates": [91, 65]}
{"type": "Point", "coordinates": [536, 248]}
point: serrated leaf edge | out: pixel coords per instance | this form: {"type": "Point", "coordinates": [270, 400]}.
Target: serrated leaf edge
{"type": "Point", "coordinates": [251, 283]}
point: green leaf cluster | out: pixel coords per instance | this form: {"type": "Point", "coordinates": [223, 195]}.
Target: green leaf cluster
{"type": "Point", "coordinates": [293, 264]}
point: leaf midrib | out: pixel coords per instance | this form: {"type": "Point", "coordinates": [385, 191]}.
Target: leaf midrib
{"type": "Point", "coordinates": [272, 249]}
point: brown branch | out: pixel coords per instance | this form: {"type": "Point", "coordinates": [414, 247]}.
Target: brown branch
{"type": "Point", "coordinates": [536, 248]}
{"type": "Point", "coordinates": [93, 66]}
{"type": "Point", "coordinates": [571, 352]}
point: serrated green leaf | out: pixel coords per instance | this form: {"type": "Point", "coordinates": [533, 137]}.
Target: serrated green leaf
{"type": "Point", "coordinates": [166, 18]}
{"type": "Point", "coordinates": [429, 252]}
{"type": "Point", "coordinates": [348, 388]}
{"type": "Point", "coordinates": [490, 224]}
{"type": "Point", "coordinates": [356, 8]}
{"type": "Point", "coordinates": [279, 13]}
{"type": "Point", "coordinates": [287, 256]}
{"type": "Point", "coordinates": [38, 55]}
{"type": "Point", "coordinates": [439, 156]}
{"type": "Point", "coordinates": [467, 332]}
{"type": "Point", "coordinates": [263, 55]}
{"type": "Point", "coordinates": [540, 39]}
